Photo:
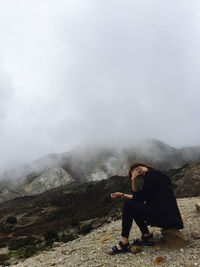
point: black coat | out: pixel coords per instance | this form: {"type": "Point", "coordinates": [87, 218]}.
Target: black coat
{"type": "Point", "coordinates": [159, 197]}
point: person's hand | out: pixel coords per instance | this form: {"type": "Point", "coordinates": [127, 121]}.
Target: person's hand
{"type": "Point", "coordinates": [137, 171]}
{"type": "Point", "coordinates": [116, 195]}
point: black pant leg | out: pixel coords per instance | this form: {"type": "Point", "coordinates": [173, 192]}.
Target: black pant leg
{"type": "Point", "coordinates": [134, 210]}
{"type": "Point", "coordinates": [127, 218]}
{"type": "Point", "coordinates": [141, 224]}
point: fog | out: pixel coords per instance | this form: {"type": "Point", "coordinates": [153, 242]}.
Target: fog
{"type": "Point", "coordinates": [75, 72]}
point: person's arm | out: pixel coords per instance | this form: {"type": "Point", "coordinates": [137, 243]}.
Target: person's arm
{"type": "Point", "coordinates": [133, 185]}
{"type": "Point", "coordinates": [119, 194]}
{"type": "Point", "coordinates": [135, 173]}
{"type": "Point", "coordinates": [128, 196]}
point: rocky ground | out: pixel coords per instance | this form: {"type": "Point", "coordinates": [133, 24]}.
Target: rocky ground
{"type": "Point", "coordinates": [91, 250]}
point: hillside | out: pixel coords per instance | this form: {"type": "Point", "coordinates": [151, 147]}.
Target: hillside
{"type": "Point", "coordinates": [90, 250]}
{"type": "Point", "coordinates": [58, 207]}
{"type": "Point", "coordinates": [66, 212]}
{"type": "Point", "coordinates": [91, 163]}
{"type": "Point", "coordinates": [95, 162]}
{"type": "Point", "coordinates": [188, 181]}
{"type": "Point", "coordinates": [81, 201]}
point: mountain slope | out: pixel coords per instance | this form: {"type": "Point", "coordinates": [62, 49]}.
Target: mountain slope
{"type": "Point", "coordinates": [80, 201]}
{"type": "Point", "coordinates": [91, 163]}
{"type": "Point", "coordinates": [91, 250]}
{"type": "Point", "coordinates": [58, 207]}
{"type": "Point", "coordinates": [188, 181]}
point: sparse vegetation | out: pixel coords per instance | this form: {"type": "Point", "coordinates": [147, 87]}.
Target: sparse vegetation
{"type": "Point", "coordinates": [51, 236]}
{"type": "Point", "coordinates": [30, 251]}
{"type": "Point", "coordinates": [64, 209]}
{"type": "Point", "coordinates": [67, 237]}
{"type": "Point", "coordinates": [21, 248]}
{"type": "Point", "coordinates": [85, 229]}
{"type": "Point", "coordinates": [19, 243]}
{"type": "Point", "coordinates": [2, 244]}
{"type": "Point", "coordinates": [74, 222]}
{"type": "Point", "coordinates": [172, 172]}
{"type": "Point", "coordinates": [3, 259]}
{"type": "Point", "coordinates": [11, 220]}
{"type": "Point", "coordinates": [16, 244]}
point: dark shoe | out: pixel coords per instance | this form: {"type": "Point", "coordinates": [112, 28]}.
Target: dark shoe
{"type": "Point", "coordinates": [124, 248]}
{"type": "Point", "coordinates": [146, 241]}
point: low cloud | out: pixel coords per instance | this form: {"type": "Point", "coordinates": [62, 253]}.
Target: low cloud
{"type": "Point", "coordinates": [100, 72]}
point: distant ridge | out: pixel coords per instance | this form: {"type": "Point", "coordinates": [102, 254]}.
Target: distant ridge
{"type": "Point", "coordinates": [91, 163]}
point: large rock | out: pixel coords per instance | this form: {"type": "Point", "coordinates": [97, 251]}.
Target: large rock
{"type": "Point", "coordinates": [174, 238]}
{"type": "Point", "coordinates": [50, 179]}
{"type": "Point", "coordinates": [198, 206]}
{"type": "Point", "coordinates": [6, 193]}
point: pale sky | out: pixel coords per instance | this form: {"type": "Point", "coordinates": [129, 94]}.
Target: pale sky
{"type": "Point", "coordinates": [80, 71]}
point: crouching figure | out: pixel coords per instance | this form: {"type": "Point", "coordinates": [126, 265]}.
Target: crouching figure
{"type": "Point", "coordinates": [152, 204]}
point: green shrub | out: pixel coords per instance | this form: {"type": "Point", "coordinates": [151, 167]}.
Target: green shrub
{"type": "Point", "coordinates": [49, 243]}
{"type": "Point", "coordinates": [67, 238]}
{"type": "Point", "coordinates": [85, 229]}
{"type": "Point", "coordinates": [31, 241]}
{"type": "Point", "coordinates": [25, 252]}
{"type": "Point", "coordinates": [16, 244]}
{"type": "Point", "coordinates": [30, 252]}
{"type": "Point", "coordinates": [2, 244]}
{"type": "Point", "coordinates": [50, 237]}
{"type": "Point", "coordinates": [74, 222]}
{"type": "Point", "coordinates": [11, 220]}
{"type": "Point", "coordinates": [3, 259]}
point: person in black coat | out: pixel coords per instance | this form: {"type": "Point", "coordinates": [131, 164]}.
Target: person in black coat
{"type": "Point", "coordinates": [153, 204]}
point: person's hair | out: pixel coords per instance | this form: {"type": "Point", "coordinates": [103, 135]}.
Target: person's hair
{"type": "Point", "coordinates": [135, 165]}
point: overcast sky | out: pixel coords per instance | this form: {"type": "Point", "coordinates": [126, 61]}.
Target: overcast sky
{"type": "Point", "coordinates": [81, 71]}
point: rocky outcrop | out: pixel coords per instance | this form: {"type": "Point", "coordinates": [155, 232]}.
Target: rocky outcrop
{"type": "Point", "coordinates": [50, 179]}
{"type": "Point", "coordinates": [6, 193]}
{"type": "Point", "coordinates": [34, 168]}
{"type": "Point", "coordinates": [198, 206]}
{"type": "Point", "coordinates": [93, 163]}
{"type": "Point", "coordinates": [174, 238]}
{"type": "Point", "coordinates": [89, 163]}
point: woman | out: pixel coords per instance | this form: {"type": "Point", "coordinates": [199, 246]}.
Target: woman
{"type": "Point", "coordinates": [154, 204]}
